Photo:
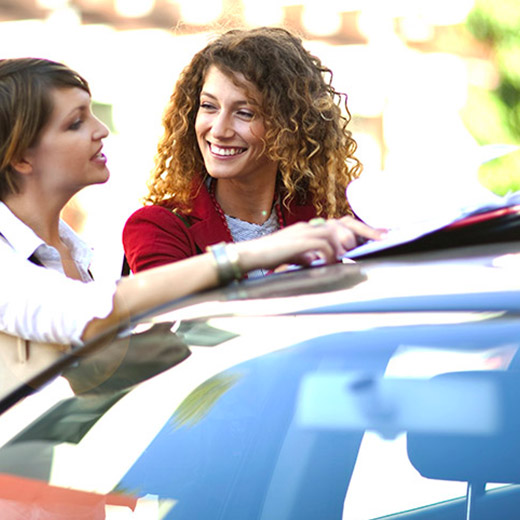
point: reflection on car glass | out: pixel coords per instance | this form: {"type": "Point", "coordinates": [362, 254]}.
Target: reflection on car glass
{"type": "Point", "coordinates": [69, 420]}
{"type": "Point", "coordinates": [198, 404]}
{"type": "Point", "coordinates": [319, 279]}
{"type": "Point", "coordinates": [128, 360]}
{"type": "Point", "coordinates": [203, 335]}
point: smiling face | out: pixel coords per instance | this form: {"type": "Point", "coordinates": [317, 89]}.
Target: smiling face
{"type": "Point", "coordinates": [67, 156]}
{"type": "Point", "coordinates": [230, 130]}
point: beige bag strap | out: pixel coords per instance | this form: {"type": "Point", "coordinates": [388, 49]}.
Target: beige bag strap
{"type": "Point", "coordinates": [21, 359]}
{"type": "Point", "coordinates": [23, 350]}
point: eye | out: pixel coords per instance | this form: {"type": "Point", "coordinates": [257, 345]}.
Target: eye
{"type": "Point", "coordinates": [76, 124]}
{"type": "Point", "coordinates": [206, 105]}
{"type": "Point", "coordinates": [246, 114]}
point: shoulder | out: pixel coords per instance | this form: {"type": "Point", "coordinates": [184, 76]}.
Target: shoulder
{"type": "Point", "coordinates": [155, 215]}
{"type": "Point", "coordinates": [155, 235]}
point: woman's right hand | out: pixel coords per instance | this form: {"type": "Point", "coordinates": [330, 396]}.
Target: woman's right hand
{"type": "Point", "coordinates": [305, 242]}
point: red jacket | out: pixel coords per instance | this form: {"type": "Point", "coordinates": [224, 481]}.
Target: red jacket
{"type": "Point", "coordinates": [154, 235]}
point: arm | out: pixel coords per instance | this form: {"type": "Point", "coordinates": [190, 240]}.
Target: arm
{"type": "Point", "coordinates": [43, 305]}
{"type": "Point", "coordinates": [298, 244]}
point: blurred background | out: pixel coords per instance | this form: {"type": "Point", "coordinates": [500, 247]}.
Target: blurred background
{"type": "Point", "coordinates": [433, 85]}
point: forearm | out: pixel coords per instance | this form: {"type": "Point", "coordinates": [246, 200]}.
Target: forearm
{"type": "Point", "coordinates": [153, 287]}
{"type": "Point", "coordinates": [299, 244]}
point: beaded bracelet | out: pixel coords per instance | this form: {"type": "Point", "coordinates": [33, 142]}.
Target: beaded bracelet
{"type": "Point", "coordinates": [226, 260]}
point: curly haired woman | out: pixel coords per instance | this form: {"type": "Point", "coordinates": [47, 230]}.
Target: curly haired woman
{"type": "Point", "coordinates": [254, 140]}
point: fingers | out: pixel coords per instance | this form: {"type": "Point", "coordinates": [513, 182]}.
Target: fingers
{"type": "Point", "coordinates": [317, 240]}
{"type": "Point", "coordinates": [299, 244]}
{"type": "Point", "coordinates": [362, 231]}
{"type": "Point", "coordinates": [329, 240]}
{"type": "Point", "coordinates": [306, 242]}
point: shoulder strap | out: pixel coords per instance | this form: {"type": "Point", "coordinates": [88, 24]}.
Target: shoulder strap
{"type": "Point", "coordinates": [125, 269]}
{"type": "Point", "coordinates": [185, 220]}
{"type": "Point", "coordinates": [34, 259]}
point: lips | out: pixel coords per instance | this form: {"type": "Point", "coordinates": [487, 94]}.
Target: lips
{"type": "Point", "coordinates": [99, 156]}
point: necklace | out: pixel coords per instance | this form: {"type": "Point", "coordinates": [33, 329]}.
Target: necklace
{"type": "Point", "coordinates": [222, 215]}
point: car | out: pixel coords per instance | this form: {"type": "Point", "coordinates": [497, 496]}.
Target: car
{"type": "Point", "coordinates": [385, 387]}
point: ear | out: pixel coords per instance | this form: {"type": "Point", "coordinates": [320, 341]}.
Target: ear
{"type": "Point", "coordinates": [22, 166]}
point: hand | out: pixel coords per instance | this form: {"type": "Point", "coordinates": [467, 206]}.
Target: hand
{"type": "Point", "coordinates": [358, 232]}
{"type": "Point", "coordinates": [304, 243]}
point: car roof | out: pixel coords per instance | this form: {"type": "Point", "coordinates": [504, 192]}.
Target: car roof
{"type": "Point", "coordinates": [483, 277]}
{"type": "Point", "coordinates": [475, 278]}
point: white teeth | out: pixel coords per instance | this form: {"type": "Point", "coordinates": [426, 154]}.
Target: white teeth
{"type": "Point", "coordinates": [225, 151]}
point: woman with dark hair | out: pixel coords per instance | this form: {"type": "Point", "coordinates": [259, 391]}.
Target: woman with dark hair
{"type": "Point", "coordinates": [255, 138]}
{"type": "Point", "coordinates": [51, 146]}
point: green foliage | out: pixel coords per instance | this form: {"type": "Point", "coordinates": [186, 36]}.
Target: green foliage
{"type": "Point", "coordinates": [501, 175]}
{"type": "Point", "coordinates": [495, 21]}
{"type": "Point", "coordinates": [486, 117]}
{"type": "Point", "coordinates": [494, 116]}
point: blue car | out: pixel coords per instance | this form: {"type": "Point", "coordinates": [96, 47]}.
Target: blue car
{"type": "Point", "coordinates": [388, 387]}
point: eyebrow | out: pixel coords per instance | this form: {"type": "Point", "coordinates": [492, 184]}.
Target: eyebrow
{"type": "Point", "coordinates": [78, 108]}
{"type": "Point", "coordinates": [240, 102]}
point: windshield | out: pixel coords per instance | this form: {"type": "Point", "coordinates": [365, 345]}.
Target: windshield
{"type": "Point", "coordinates": [266, 417]}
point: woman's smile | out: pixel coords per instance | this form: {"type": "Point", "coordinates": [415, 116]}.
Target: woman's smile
{"type": "Point", "coordinates": [225, 151]}
{"type": "Point", "coordinates": [230, 130]}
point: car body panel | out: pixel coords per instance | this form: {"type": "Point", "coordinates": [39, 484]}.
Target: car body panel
{"type": "Point", "coordinates": [310, 394]}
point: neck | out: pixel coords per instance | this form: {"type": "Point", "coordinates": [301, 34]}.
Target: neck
{"type": "Point", "coordinates": [243, 201]}
{"type": "Point", "coordinates": [39, 213]}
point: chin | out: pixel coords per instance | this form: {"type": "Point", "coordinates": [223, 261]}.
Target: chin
{"type": "Point", "coordinates": [103, 178]}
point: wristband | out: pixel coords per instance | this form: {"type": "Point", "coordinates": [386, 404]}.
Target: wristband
{"type": "Point", "coordinates": [226, 260]}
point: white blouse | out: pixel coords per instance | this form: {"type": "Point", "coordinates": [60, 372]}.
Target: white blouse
{"type": "Point", "coordinates": [42, 304]}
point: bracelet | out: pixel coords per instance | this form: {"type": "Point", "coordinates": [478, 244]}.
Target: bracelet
{"type": "Point", "coordinates": [226, 261]}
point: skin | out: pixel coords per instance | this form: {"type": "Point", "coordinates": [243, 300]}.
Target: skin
{"type": "Point", "coordinates": [68, 157]}
{"type": "Point", "coordinates": [299, 244]}
{"type": "Point", "coordinates": [229, 133]}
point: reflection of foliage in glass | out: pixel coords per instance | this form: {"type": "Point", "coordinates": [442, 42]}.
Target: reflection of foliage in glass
{"type": "Point", "coordinates": [199, 403]}
{"type": "Point", "coordinates": [494, 116]}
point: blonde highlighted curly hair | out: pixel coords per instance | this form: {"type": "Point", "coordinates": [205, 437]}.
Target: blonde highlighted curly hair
{"type": "Point", "coordinates": [306, 130]}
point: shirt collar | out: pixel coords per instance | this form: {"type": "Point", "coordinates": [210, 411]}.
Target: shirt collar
{"type": "Point", "coordinates": [25, 241]}
{"type": "Point", "coordinates": [20, 236]}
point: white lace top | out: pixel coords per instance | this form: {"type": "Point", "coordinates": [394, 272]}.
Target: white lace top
{"type": "Point", "coordinates": [241, 230]}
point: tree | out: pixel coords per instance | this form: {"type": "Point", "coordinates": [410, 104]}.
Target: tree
{"type": "Point", "coordinates": [493, 116]}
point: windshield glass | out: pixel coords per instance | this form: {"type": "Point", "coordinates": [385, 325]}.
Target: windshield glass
{"type": "Point", "coordinates": [266, 417]}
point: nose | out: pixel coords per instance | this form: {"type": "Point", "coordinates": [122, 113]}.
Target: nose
{"type": "Point", "coordinates": [222, 126]}
{"type": "Point", "coordinates": [101, 131]}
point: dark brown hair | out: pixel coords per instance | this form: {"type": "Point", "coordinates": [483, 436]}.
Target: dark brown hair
{"type": "Point", "coordinates": [25, 108]}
